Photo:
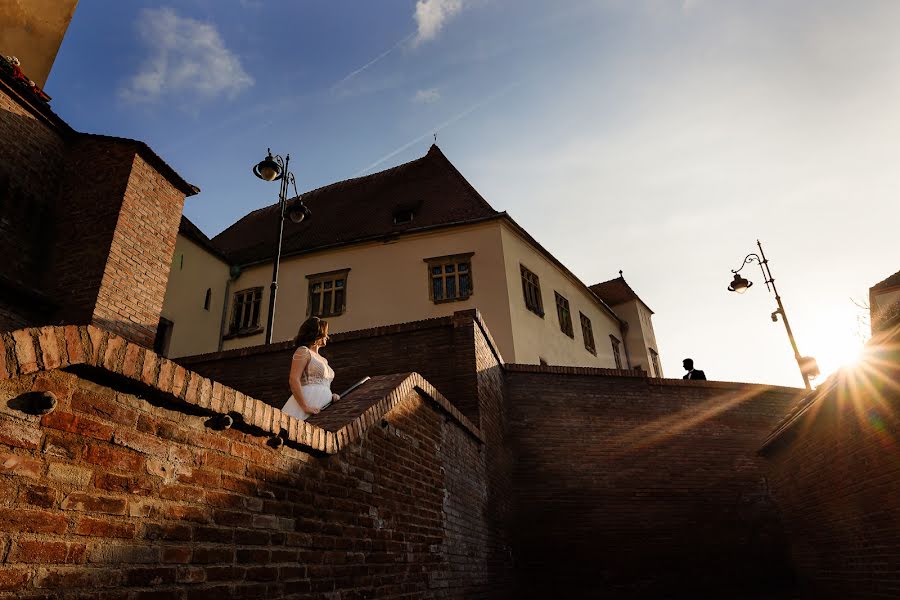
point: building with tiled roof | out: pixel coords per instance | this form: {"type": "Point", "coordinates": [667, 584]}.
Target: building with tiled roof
{"type": "Point", "coordinates": [413, 242]}
{"type": "Point", "coordinates": [639, 335]}
{"type": "Point", "coordinates": [884, 302]}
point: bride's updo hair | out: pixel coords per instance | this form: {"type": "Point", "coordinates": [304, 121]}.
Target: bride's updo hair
{"type": "Point", "coordinates": [312, 330]}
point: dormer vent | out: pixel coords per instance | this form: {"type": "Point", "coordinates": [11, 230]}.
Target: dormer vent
{"type": "Point", "coordinates": [403, 216]}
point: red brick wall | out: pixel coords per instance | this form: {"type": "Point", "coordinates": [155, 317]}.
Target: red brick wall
{"type": "Point", "coordinates": [835, 476]}
{"type": "Point", "coordinates": [97, 174]}
{"type": "Point", "coordinates": [130, 298]}
{"type": "Point", "coordinates": [638, 487]}
{"type": "Point", "coordinates": [111, 494]}
{"type": "Point", "coordinates": [422, 347]}
{"type": "Point", "coordinates": [31, 158]}
{"type": "Point", "coordinates": [87, 227]}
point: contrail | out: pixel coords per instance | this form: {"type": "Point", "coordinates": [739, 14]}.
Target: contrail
{"type": "Point", "coordinates": [434, 130]}
{"type": "Point", "coordinates": [353, 74]}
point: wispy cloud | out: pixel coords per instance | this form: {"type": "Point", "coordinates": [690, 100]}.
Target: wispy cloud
{"type": "Point", "coordinates": [432, 15]}
{"type": "Point", "coordinates": [188, 58]}
{"type": "Point", "coordinates": [428, 96]}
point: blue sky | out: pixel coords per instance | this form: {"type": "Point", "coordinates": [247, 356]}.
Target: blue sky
{"type": "Point", "coordinates": [658, 137]}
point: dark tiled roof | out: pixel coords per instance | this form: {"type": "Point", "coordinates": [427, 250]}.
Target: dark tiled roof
{"type": "Point", "coordinates": [192, 232]}
{"type": "Point", "coordinates": [892, 281]}
{"type": "Point", "coordinates": [362, 208]}
{"type": "Point", "coordinates": [616, 291]}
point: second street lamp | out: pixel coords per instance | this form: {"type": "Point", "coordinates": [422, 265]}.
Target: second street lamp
{"type": "Point", "coordinates": [274, 168]}
{"type": "Point", "coordinates": [808, 366]}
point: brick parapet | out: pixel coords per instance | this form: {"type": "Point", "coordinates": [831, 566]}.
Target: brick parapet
{"type": "Point", "coordinates": [28, 351]}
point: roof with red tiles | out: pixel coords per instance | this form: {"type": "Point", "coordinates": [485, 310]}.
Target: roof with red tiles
{"type": "Point", "coordinates": [616, 291]}
{"type": "Point", "coordinates": [430, 190]}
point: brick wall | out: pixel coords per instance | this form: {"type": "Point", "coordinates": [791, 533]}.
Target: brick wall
{"type": "Point", "coordinates": [119, 496]}
{"type": "Point", "coordinates": [130, 298]}
{"type": "Point", "coordinates": [639, 487]}
{"type": "Point", "coordinates": [87, 224]}
{"type": "Point", "coordinates": [97, 174]}
{"type": "Point", "coordinates": [835, 474]}
{"type": "Point", "coordinates": [421, 346]}
{"type": "Point", "coordinates": [31, 159]}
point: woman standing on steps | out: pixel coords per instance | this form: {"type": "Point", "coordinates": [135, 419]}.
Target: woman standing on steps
{"type": "Point", "coordinates": [310, 377]}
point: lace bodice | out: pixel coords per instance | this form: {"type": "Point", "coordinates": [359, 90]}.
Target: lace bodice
{"type": "Point", "coordinates": [317, 370]}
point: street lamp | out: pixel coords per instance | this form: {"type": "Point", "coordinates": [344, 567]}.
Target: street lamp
{"type": "Point", "coordinates": [808, 366]}
{"type": "Point", "coordinates": [273, 168]}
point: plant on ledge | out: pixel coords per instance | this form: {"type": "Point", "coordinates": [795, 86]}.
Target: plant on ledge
{"type": "Point", "coordinates": [10, 66]}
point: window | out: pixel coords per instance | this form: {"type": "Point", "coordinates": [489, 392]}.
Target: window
{"type": "Point", "coordinates": [615, 347]}
{"type": "Point", "coordinates": [328, 293]}
{"type": "Point", "coordinates": [208, 298]}
{"type": "Point", "coordinates": [565, 317]}
{"type": "Point", "coordinates": [163, 336]}
{"type": "Point", "coordinates": [531, 289]}
{"type": "Point", "coordinates": [403, 215]}
{"type": "Point", "coordinates": [450, 277]}
{"type": "Point", "coordinates": [654, 362]}
{"type": "Point", "coordinates": [588, 333]}
{"type": "Point", "coordinates": [245, 314]}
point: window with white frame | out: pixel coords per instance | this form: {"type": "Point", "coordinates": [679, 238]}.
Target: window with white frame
{"type": "Point", "coordinates": [245, 310]}
{"type": "Point", "coordinates": [450, 277]}
{"type": "Point", "coordinates": [328, 293]}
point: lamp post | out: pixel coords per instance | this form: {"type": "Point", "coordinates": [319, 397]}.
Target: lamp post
{"type": "Point", "coordinates": [808, 366]}
{"type": "Point", "coordinates": [274, 168]}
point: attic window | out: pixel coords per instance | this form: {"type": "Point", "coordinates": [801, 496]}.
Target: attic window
{"type": "Point", "coordinates": [403, 215]}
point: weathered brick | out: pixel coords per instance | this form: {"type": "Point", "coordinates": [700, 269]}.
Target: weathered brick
{"type": "Point", "coordinates": [138, 485]}
{"type": "Point", "coordinates": [32, 521]}
{"type": "Point", "coordinates": [104, 528]}
{"type": "Point", "coordinates": [13, 579]}
{"type": "Point", "coordinates": [72, 423]}
{"type": "Point", "coordinates": [75, 577]}
{"type": "Point", "coordinates": [146, 577]}
{"type": "Point", "coordinates": [34, 551]}
{"type": "Point", "coordinates": [90, 404]}
{"type": "Point", "coordinates": [25, 353]}
{"type": "Point", "coordinates": [124, 554]}
{"type": "Point", "coordinates": [70, 474]}
{"type": "Point", "coordinates": [15, 464]}
{"type": "Point", "coordinates": [21, 435]}
{"type": "Point", "coordinates": [177, 532]}
{"type": "Point", "coordinates": [82, 501]}
{"type": "Point", "coordinates": [114, 458]}
{"type": "Point", "coordinates": [38, 495]}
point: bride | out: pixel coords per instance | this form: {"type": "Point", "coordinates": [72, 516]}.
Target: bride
{"type": "Point", "coordinates": [310, 377]}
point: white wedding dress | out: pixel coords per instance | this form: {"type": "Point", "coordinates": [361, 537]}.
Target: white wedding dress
{"type": "Point", "coordinates": [315, 381]}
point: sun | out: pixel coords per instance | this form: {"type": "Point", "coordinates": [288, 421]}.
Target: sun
{"type": "Point", "coordinates": [835, 352]}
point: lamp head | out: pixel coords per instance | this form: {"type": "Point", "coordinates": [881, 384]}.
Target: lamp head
{"type": "Point", "coordinates": [298, 212]}
{"type": "Point", "coordinates": [268, 169]}
{"type": "Point", "coordinates": [739, 284]}
{"type": "Point", "coordinates": [809, 366]}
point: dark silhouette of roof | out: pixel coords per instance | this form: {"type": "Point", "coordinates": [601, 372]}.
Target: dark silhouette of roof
{"type": "Point", "coordinates": [425, 193]}
{"type": "Point", "coordinates": [193, 233]}
{"type": "Point", "coordinates": [892, 281]}
{"type": "Point", "coordinates": [616, 291]}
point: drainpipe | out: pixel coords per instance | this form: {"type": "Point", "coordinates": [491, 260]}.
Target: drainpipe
{"type": "Point", "coordinates": [234, 272]}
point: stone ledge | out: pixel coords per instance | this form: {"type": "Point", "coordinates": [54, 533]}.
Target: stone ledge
{"type": "Point", "coordinates": [31, 350]}
{"type": "Point", "coordinates": [558, 370]}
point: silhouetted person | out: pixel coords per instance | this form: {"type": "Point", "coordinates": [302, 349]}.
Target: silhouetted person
{"type": "Point", "coordinates": [692, 373]}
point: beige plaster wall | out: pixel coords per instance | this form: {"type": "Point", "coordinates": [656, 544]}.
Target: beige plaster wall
{"type": "Point", "coordinates": [641, 336]}
{"type": "Point", "coordinates": [194, 270]}
{"type": "Point", "coordinates": [537, 337]}
{"type": "Point", "coordinates": [32, 31]}
{"type": "Point", "coordinates": [388, 283]}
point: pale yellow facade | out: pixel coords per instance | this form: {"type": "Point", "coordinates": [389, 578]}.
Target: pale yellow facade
{"type": "Point", "coordinates": [388, 282]}
{"type": "Point", "coordinates": [540, 338]}
{"type": "Point", "coordinates": [32, 31]}
{"type": "Point", "coordinates": [196, 325]}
